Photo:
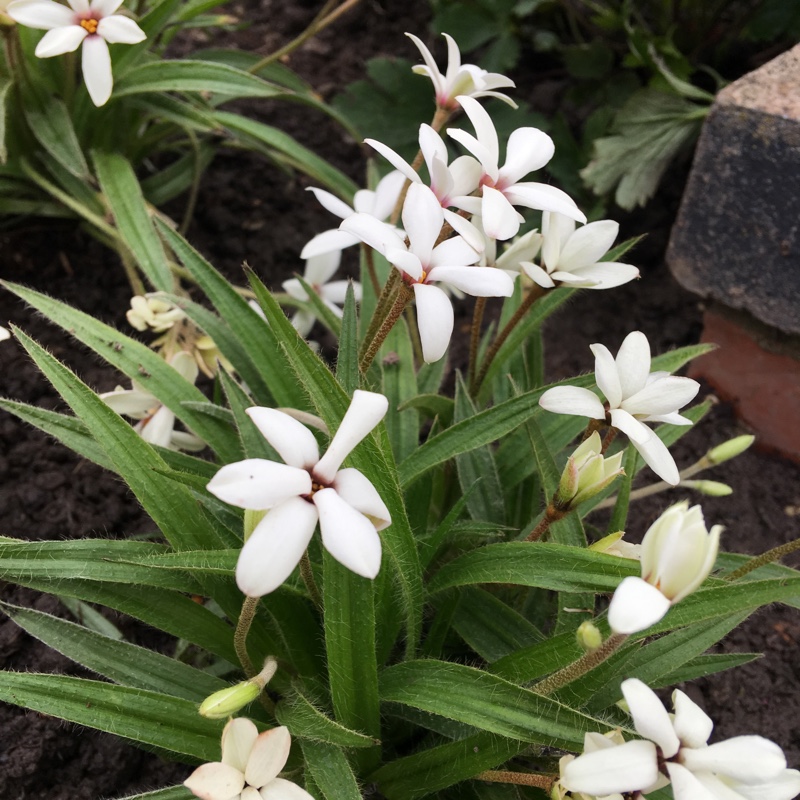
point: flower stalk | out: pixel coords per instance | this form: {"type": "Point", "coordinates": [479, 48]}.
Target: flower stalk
{"type": "Point", "coordinates": [401, 301]}
{"type": "Point", "coordinates": [775, 554]}
{"type": "Point", "coordinates": [544, 782]}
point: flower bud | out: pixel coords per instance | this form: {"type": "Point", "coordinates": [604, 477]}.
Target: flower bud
{"type": "Point", "coordinates": [226, 702]}
{"type": "Point", "coordinates": [615, 545]}
{"type": "Point", "coordinates": [730, 449]}
{"type": "Point", "coordinates": [710, 488]}
{"type": "Point", "coordinates": [586, 473]}
{"type": "Point", "coordinates": [589, 636]}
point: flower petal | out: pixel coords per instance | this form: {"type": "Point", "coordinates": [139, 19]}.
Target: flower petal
{"type": "Point", "coordinates": [528, 149]}
{"type": "Point", "coordinates": [607, 274]}
{"type": "Point", "coordinates": [633, 363]}
{"type": "Point", "coordinates": [750, 759]}
{"type": "Point", "coordinates": [215, 781]}
{"type": "Point", "coordinates": [484, 130]}
{"type": "Point", "coordinates": [130, 402]}
{"type": "Point", "coordinates": [158, 428]}
{"type": "Point", "coordinates": [327, 242]}
{"type": "Point", "coordinates": [330, 202]}
{"type": "Point", "coordinates": [275, 547]}
{"type": "Point", "coordinates": [103, 8]}
{"type": "Point", "coordinates": [294, 443]}
{"type": "Point", "coordinates": [373, 232]}
{"type": "Point", "coordinates": [537, 275]}
{"type": "Point", "coordinates": [556, 230]}
{"type": "Point", "coordinates": [500, 220]}
{"type": "Point", "coordinates": [258, 484]}
{"type": "Point", "coordinates": [120, 30]}
{"type": "Point", "coordinates": [238, 738]}
{"type": "Point", "coordinates": [635, 606]}
{"type": "Point", "coordinates": [475, 281]}
{"type": "Point", "coordinates": [685, 786]}
{"type": "Point", "coordinates": [435, 320]}
{"type": "Point", "coordinates": [422, 219]}
{"type": "Point", "coordinates": [357, 490]}
{"type": "Point", "coordinates": [467, 232]}
{"type": "Point", "coordinates": [543, 197]}
{"type": "Point", "coordinates": [41, 14]}
{"type": "Point", "coordinates": [281, 789]}
{"type": "Point", "coordinates": [60, 40]}
{"type": "Point", "coordinates": [386, 193]}
{"type": "Point", "coordinates": [185, 365]}
{"type": "Point", "coordinates": [627, 767]}
{"type": "Point", "coordinates": [366, 411]}
{"type": "Point", "coordinates": [636, 431]}
{"type": "Point", "coordinates": [96, 66]}
{"type": "Point", "coordinates": [433, 70]}
{"type": "Point", "coordinates": [588, 244]}
{"type": "Point", "coordinates": [656, 455]}
{"type": "Point", "coordinates": [466, 174]}
{"type": "Point", "coordinates": [396, 160]}
{"type": "Point", "coordinates": [572, 400]}
{"type": "Point", "coordinates": [692, 725]}
{"type": "Point", "coordinates": [662, 396]}
{"type": "Point", "coordinates": [320, 269]}
{"type": "Point", "coordinates": [606, 375]}
{"type": "Point", "coordinates": [785, 787]}
{"type": "Point", "coordinates": [455, 251]}
{"type": "Point", "coordinates": [650, 718]}
{"type": "Point", "coordinates": [347, 534]}
{"type": "Point", "coordinates": [268, 756]}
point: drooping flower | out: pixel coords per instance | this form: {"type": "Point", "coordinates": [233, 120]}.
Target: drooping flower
{"type": "Point", "coordinates": [318, 273]}
{"type": "Point", "coordinates": [379, 204]}
{"type": "Point", "coordinates": [459, 79]}
{"type": "Point", "coordinates": [251, 763]}
{"type": "Point", "coordinates": [678, 553]}
{"type": "Point", "coordinates": [424, 263]}
{"type": "Point", "coordinates": [93, 24]}
{"type": "Point", "coordinates": [156, 422]}
{"type": "Point", "coordinates": [572, 257]}
{"type": "Point", "coordinates": [502, 188]}
{"type": "Point", "coordinates": [634, 395]}
{"type": "Point", "coordinates": [302, 491]}
{"type": "Point", "coordinates": [675, 746]}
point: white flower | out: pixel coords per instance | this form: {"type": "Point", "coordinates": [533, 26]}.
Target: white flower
{"type": "Point", "coordinates": [446, 181]}
{"type": "Point", "coordinates": [634, 395]}
{"type": "Point", "coordinates": [157, 422]}
{"type": "Point", "coordinates": [251, 762]}
{"type": "Point", "coordinates": [153, 311]}
{"type": "Point", "coordinates": [378, 204]}
{"type": "Point", "coordinates": [302, 491]}
{"type": "Point", "coordinates": [675, 746]}
{"type": "Point", "coordinates": [677, 555]}
{"type": "Point", "coordinates": [459, 79]}
{"type": "Point", "coordinates": [93, 24]}
{"type": "Point", "coordinates": [615, 545]}
{"type": "Point", "coordinates": [528, 149]}
{"type": "Point", "coordinates": [587, 472]}
{"type": "Point", "coordinates": [523, 248]}
{"type": "Point", "coordinates": [424, 263]}
{"type": "Point", "coordinates": [318, 273]}
{"type": "Point", "coordinates": [572, 256]}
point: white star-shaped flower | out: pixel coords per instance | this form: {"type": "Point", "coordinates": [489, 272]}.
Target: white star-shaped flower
{"type": "Point", "coordinates": [93, 24]}
{"type": "Point", "coordinates": [302, 491]}
{"type": "Point", "coordinates": [528, 149]}
{"type": "Point", "coordinates": [635, 396]}
{"type": "Point", "coordinates": [251, 763]}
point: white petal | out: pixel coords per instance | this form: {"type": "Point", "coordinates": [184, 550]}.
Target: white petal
{"type": "Point", "coordinates": [281, 789]}
{"type": "Point", "coordinates": [295, 289]}
{"type": "Point", "coordinates": [750, 759]}
{"type": "Point", "coordinates": [405, 262]}
{"type": "Point", "coordinates": [685, 786]}
{"type": "Point", "coordinates": [215, 781]}
{"type": "Point", "coordinates": [434, 319]}
{"type": "Point", "coordinates": [572, 400]}
{"type": "Point", "coordinates": [484, 129]}
{"type": "Point", "coordinates": [481, 152]}
{"type": "Point", "coordinates": [633, 363]}
{"type": "Point", "coordinates": [588, 244]}
{"type": "Point", "coordinates": [347, 534]}
{"type": "Point", "coordinates": [386, 193]}
{"type": "Point", "coordinates": [158, 428]}
{"type": "Point", "coordinates": [275, 547]}
{"type": "Point", "coordinates": [268, 756]}
{"type": "Point", "coordinates": [321, 268]}
{"type": "Point", "coordinates": [96, 65]}
{"type": "Point", "coordinates": [556, 230]}
{"type": "Point", "coordinates": [500, 220]}
{"type": "Point", "coordinates": [258, 484]}
{"type": "Point", "coordinates": [635, 606]}
{"type": "Point", "coordinates": [692, 725]}
{"type": "Point", "coordinates": [181, 440]}
{"type": "Point", "coordinates": [657, 456]}
{"type": "Point", "coordinates": [373, 232]}
{"type": "Point", "coordinates": [544, 197]}
{"type": "Point", "coordinates": [537, 275]}
{"type": "Point", "coordinates": [466, 174]}
{"type": "Point", "coordinates": [366, 411]}
{"type": "Point", "coordinates": [131, 402]}
{"type": "Point", "coordinates": [396, 160]}
{"type": "Point", "coordinates": [662, 397]}
{"type": "Point", "coordinates": [422, 219]}
{"type": "Point", "coordinates": [120, 30]}
{"type": "Point", "coordinates": [41, 14]}
{"type": "Point", "coordinates": [469, 233]}
{"type": "Point", "coordinates": [607, 274]}
{"type": "Point", "coordinates": [238, 738]}
{"type": "Point", "coordinates": [103, 8]}
{"type": "Point", "coordinates": [650, 718]}
{"type": "Point", "coordinates": [433, 70]}
{"type": "Point", "coordinates": [185, 365]}
{"type": "Point", "coordinates": [720, 790]}
{"type": "Point", "coordinates": [327, 242]}
{"type": "Point", "coordinates": [627, 767]}
{"type": "Point", "coordinates": [528, 149]}
{"type": "Point", "coordinates": [606, 375]}
{"type": "Point", "coordinates": [60, 40]}
{"type": "Point", "coordinates": [431, 145]}
{"type": "Point", "coordinates": [785, 787]}
{"type": "Point", "coordinates": [294, 443]}
{"type": "Point", "coordinates": [475, 281]}
{"type": "Point", "coordinates": [330, 202]}
{"type": "Point", "coordinates": [454, 252]}
{"type": "Point", "coordinates": [357, 490]}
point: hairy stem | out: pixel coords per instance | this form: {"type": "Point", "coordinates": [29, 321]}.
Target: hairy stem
{"type": "Point", "coordinates": [552, 514]}
{"type": "Point", "coordinates": [517, 778]}
{"type": "Point", "coordinates": [765, 558]}
{"type": "Point", "coordinates": [246, 616]}
{"type": "Point", "coordinates": [307, 574]}
{"type": "Point", "coordinates": [403, 296]}
{"type": "Point", "coordinates": [475, 336]}
{"type": "Point", "coordinates": [384, 303]}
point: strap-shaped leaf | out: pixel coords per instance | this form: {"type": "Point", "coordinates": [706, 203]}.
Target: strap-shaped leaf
{"type": "Point", "coordinates": [121, 188]}
{"type": "Point", "coordinates": [170, 793]}
{"type": "Point", "coordinates": [50, 121]}
{"type": "Point", "coordinates": [400, 385]}
{"type": "Point", "coordinates": [347, 358]}
{"type": "Point", "coordinates": [330, 771]}
{"type": "Point", "coordinates": [150, 718]}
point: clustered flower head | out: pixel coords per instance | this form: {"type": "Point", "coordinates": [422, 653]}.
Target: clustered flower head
{"type": "Point", "coordinates": [302, 491]}
{"type": "Point", "coordinates": [250, 765]}
{"type": "Point", "coordinates": [634, 396]}
{"type": "Point", "coordinates": [674, 749]}
{"type": "Point", "coordinates": [93, 24]}
{"type": "Point", "coordinates": [153, 312]}
{"type": "Point", "coordinates": [677, 555]}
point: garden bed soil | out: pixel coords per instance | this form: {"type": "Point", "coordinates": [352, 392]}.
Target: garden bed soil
{"type": "Point", "coordinates": [249, 211]}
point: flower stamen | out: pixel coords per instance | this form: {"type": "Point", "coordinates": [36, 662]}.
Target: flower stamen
{"type": "Point", "coordinates": [89, 25]}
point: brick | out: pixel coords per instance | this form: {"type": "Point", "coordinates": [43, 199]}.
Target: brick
{"type": "Point", "coordinates": [737, 236]}
{"type": "Point", "coordinates": [762, 385]}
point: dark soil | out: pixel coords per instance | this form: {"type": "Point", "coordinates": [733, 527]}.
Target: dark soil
{"type": "Point", "coordinates": [249, 211]}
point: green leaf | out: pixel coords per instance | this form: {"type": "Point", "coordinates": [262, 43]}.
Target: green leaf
{"type": "Point", "coordinates": [706, 665]}
{"type": "Point", "coordinates": [170, 793]}
{"type": "Point", "coordinates": [121, 188]}
{"type": "Point", "coordinates": [149, 718]}
{"type": "Point", "coordinates": [330, 771]}
{"type": "Point", "coordinates": [347, 360]}
{"type": "Point", "coordinates": [619, 515]}
{"type": "Point", "coordinates": [5, 85]}
{"type": "Point", "coordinates": [50, 121]}
{"type": "Point", "coordinates": [321, 311]}
{"type": "Point", "coordinates": [121, 662]}
{"type": "Point", "coordinates": [194, 76]}
{"type": "Point", "coordinates": [399, 383]}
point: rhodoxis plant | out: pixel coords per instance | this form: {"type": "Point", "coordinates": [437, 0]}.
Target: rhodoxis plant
{"type": "Point", "coordinates": [448, 634]}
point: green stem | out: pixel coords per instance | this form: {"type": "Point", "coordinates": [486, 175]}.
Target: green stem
{"type": "Point", "coordinates": [246, 617]}
{"type": "Point", "coordinates": [765, 558]}
{"type": "Point", "coordinates": [385, 301]}
{"type": "Point", "coordinates": [584, 664]}
{"type": "Point", "coordinates": [307, 574]}
{"type": "Point", "coordinates": [552, 514]}
{"type": "Point", "coordinates": [404, 295]}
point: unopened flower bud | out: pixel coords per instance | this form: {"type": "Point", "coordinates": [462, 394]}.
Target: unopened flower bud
{"type": "Point", "coordinates": [730, 449]}
{"type": "Point", "coordinates": [711, 488]}
{"type": "Point", "coordinates": [226, 702]}
{"type": "Point", "coordinates": [589, 636]}
{"type": "Point", "coordinates": [586, 473]}
{"type": "Point", "coordinates": [615, 545]}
